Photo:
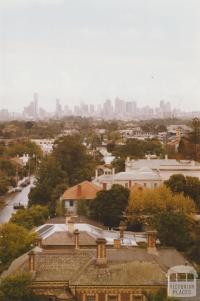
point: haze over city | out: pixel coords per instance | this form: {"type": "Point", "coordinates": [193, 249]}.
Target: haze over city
{"type": "Point", "coordinates": [90, 51]}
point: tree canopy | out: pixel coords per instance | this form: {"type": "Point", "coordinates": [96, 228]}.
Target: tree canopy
{"type": "Point", "coordinates": [14, 241]}
{"type": "Point", "coordinates": [109, 205]}
{"type": "Point", "coordinates": [173, 230]}
{"type": "Point", "coordinates": [16, 287]}
{"type": "Point", "coordinates": [68, 164]}
{"type": "Point", "coordinates": [151, 201]}
{"type": "Point", "coordinates": [138, 149]}
{"type": "Point", "coordinates": [189, 186]}
{"type": "Point", "coordinates": [30, 217]}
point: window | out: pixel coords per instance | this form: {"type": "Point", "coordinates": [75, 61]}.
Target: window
{"type": "Point", "coordinates": [112, 298]}
{"type": "Point", "coordinates": [155, 185]}
{"type": "Point", "coordinates": [190, 277]}
{"type": "Point", "coordinates": [90, 298]}
{"type": "Point", "coordinates": [173, 277]}
{"type": "Point", "coordinates": [145, 184]}
{"type": "Point", "coordinates": [71, 203]}
{"type": "Point", "coordinates": [137, 298]}
{"type": "Point", "coordinates": [181, 277]}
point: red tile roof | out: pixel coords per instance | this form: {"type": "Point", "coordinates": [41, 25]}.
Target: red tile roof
{"type": "Point", "coordinates": [85, 190]}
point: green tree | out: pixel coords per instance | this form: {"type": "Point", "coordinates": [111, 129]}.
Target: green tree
{"type": "Point", "coordinates": [173, 230]}
{"type": "Point", "coordinates": [138, 149]}
{"type": "Point", "coordinates": [118, 164]}
{"type": "Point", "coordinates": [4, 183]}
{"type": "Point", "coordinates": [109, 205]}
{"type": "Point", "coordinates": [49, 176]}
{"type": "Point", "coordinates": [176, 183]}
{"type": "Point", "coordinates": [30, 217]}
{"type": "Point", "coordinates": [14, 241]}
{"type": "Point", "coordinates": [83, 207]}
{"type": "Point", "coordinates": [190, 186]}
{"type": "Point", "coordinates": [16, 287]}
{"type": "Point", "coordinates": [73, 159]}
{"type": "Point", "coordinates": [54, 207]}
{"type": "Point", "coordinates": [194, 252]}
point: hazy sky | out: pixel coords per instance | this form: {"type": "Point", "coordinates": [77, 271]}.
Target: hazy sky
{"type": "Point", "coordinates": [90, 50]}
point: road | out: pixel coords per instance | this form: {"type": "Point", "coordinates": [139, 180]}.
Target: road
{"type": "Point", "coordinates": [22, 197]}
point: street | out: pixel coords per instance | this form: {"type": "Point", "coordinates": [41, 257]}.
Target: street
{"type": "Point", "coordinates": [22, 197]}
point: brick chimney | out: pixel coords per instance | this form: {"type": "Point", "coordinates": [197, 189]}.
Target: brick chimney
{"type": "Point", "coordinates": [117, 243]}
{"type": "Point", "coordinates": [101, 252]}
{"type": "Point", "coordinates": [31, 261]}
{"type": "Point", "coordinates": [122, 228]}
{"type": "Point", "coordinates": [151, 242]}
{"type": "Point", "coordinates": [76, 239]}
{"type": "Point", "coordinates": [71, 226]}
{"type": "Point", "coordinates": [79, 190]}
{"type": "Point", "coordinates": [39, 242]}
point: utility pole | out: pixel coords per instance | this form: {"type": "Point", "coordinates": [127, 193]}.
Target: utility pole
{"type": "Point", "coordinates": [196, 128]}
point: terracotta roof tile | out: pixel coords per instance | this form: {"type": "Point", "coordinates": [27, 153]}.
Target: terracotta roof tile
{"type": "Point", "coordinates": [85, 190]}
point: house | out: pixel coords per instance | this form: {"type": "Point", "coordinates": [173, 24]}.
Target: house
{"type": "Point", "coordinates": [144, 177]}
{"type": "Point", "coordinates": [165, 167]}
{"type": "Point", "coordinates": [83, 191]}
{"type": "Point", "coordinates": [85, 263]}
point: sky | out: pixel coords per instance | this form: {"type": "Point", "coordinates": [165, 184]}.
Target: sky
{"type": "Point", "coordinates": [92, 50]}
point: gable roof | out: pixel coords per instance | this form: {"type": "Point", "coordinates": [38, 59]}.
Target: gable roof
{"type": "Point", "coordinates": [85, 190]}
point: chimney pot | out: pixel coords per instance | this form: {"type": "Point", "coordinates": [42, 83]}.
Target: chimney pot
{"type": "Point", "coordinates": [122, 228]}
{"type": "Point", "coordinates": [71, 226]}
{"type": "Point", "coordinates": [151, 242]}
{"type": "Point", "coordinates": [39, 242]}
{"type": "Point", "coordinates": [76, 239]}
{"type": "Point", "coordinates": [31, 255]}
{"type": "Point", "coordinates": [101, 252]}
{"type": "Point", "coordinates": [79, 189]}
{"type": "Point", "coordinates": [117, 243]}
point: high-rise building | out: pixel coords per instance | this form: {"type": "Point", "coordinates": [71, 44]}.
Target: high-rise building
{"type": "Point", "coordinates": [120, 106]}
{"type": "Point", "coordinates": [107, 109]}
{"type": "Point", "coordinates": [31, 111]}
{"type": "Point", "coordinates": [58, 109]}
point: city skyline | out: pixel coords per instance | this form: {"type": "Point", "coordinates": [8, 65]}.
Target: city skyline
{"type": "Point", "coordinates": [89, 51]}
{"type": "Point", "coordinates": [117, 108]}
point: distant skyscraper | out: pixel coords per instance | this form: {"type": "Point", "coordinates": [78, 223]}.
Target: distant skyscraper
{"type": "Point", "coordinates": [107, 109]}
{"type": "Point", "coordinates": [58, 109]}
{"type": "Point", "coordinates": [35, 104]}
{"type": "Point", "coordinates": [120, 106]}
{"type": "Point", "coordinates": [31, 111]}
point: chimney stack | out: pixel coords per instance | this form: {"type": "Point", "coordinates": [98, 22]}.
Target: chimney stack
{"type": "Point", "coordinates": [151, 242]}
{"type": "Point", "coordinates": [79, 190]}
{"type": "Point", "coordinates": [39, 242]}
{"type": "Point", "coordinates": [117, 243]}
{"type": "Point", "coordinates": [101, 252]}
{"type": "Point", "coordinates": [122, 228]}
{"type": "Point", "coordinates": [31, 255]}
{"type": "Point", "coordinates": [70, 226]}
{"type": "Point", "coordinates": [76, 239]}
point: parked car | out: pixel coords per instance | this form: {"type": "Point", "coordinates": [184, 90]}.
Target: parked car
{"type": "Point", "coordinates": [25, 183]}
{"type": "Point", "coordinates": [17, 189]}
{"type": "Point", "coordinates": [18, 206]}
